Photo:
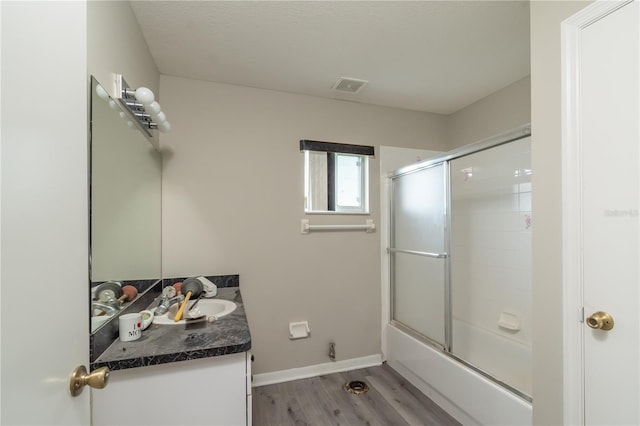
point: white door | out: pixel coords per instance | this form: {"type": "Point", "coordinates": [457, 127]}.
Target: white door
{"type": "Point", "coordinates": [44, 220]}
{"type": "Point", "coordinates": [604, 124]}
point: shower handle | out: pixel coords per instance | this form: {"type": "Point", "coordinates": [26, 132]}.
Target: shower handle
{"type": "Point", "coordinates": [600, 321]}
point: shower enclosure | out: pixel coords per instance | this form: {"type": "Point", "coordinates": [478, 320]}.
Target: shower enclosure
{"type": "Point", "coordinates": [460, 258]}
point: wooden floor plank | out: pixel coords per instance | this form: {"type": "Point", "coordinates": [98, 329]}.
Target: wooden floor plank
{"type": "Point", "coordinates": [377, 407]}
{"type": "Point", "coordinates": [322, 401]}
{"type": "Point", "coordinates": [319, 403]}
{"type": "Point", "coordinates": [403, 408]}
{"type": "Point", "coordinates": [266, 401]}
{"type": "Point", "coordinates": [368, 408]}
{"type": "Point", "coordinates": [442, 416]}
{"type": "Point", "coordinates": [409, 399]}
{"type": "Point", "coordinates": [295, 412]}
{"type": "Point", "coordinates": [352, 409]}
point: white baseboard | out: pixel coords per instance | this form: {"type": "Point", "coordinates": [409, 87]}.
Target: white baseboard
{"type": "Point", "coordinates": [315, 370]}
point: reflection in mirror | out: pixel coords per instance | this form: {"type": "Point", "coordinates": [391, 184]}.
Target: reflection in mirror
{"type": "Point", "coordinates": [336, 177]}
{"type": "Point", "coordinates": [125, 174]}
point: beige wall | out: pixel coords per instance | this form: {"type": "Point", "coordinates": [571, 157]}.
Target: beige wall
{"type": "Point", "coordinates": [546, 17]}
{"type": "Point", "coordinates": [233, 201]}
{"type": "Point", "coordinates": [499, 112]}
{"type": "Point", "coordinates": [115, 45]}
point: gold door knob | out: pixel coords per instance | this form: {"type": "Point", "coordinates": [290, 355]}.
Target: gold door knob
{"type": "Point", "coordinates": [600, 321]}
{"type": "Point", "coordinates": [97, 379]}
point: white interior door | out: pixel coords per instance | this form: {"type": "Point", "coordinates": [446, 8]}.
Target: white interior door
{"type": "Point", "coordinates": [44, 228]}
{"type": "Point", "coordinates": [606, 153]}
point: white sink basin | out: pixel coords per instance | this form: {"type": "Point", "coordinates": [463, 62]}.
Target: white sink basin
{"type": "Point", "coordinates": [97, 321]}
{"type": "Point", "coordinates": [216, 308]}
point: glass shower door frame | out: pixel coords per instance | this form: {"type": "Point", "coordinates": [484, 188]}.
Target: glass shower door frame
{"type": "Point", "coordinates": [505, 138]}
{"type": "Point", "coordinates": [445, 255]}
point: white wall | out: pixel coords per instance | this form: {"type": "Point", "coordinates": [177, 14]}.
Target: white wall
{"type": "Point", "coordinates": [547, 199]}
{"type": "Point", "coordinates": [233, 201]}
{"type": "Point", "coordinates": [496, 113]}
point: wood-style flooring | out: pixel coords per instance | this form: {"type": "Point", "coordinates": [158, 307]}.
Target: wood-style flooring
{"type": "Point", "coordinates": [322, 401]}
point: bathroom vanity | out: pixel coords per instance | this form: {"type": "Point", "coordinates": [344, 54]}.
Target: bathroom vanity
{"type": "Point", "coordinates": [180, 375]}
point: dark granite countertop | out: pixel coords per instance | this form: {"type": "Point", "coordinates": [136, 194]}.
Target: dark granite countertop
{"type": "Point", "coordinates": [161, 344]}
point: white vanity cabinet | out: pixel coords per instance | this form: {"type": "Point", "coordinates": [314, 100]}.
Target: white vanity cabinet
{"type": "Point", "coordinates": [207, 391]}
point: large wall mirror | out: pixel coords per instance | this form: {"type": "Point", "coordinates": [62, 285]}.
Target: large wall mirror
{"type": "Point", "coordinates": [125, 209]}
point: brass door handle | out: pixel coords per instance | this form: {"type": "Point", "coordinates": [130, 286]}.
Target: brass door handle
{"type": "Point", "coordinates": [600, 321]}
{"type": "Point", "coordinates": [97, 379]}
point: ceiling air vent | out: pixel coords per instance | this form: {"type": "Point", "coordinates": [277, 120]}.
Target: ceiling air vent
{"type": "Point", "coordinates": [348, 85]}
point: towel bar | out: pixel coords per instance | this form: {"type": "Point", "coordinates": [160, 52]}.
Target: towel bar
{"type": "Point", "coordinates": [305, 228]}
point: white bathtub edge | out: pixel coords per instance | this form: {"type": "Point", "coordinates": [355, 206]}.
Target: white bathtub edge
{"type": "Point", "coordinates": [463, 393]}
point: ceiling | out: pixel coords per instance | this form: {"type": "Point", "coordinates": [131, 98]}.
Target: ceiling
{"type": "Point", "coordinates": [433, 56]}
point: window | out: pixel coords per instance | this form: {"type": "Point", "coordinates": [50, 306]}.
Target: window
{"type": "Point", "coordinates": [336, 177]}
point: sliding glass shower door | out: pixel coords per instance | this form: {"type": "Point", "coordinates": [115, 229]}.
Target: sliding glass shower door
{"type": "Point", "coordinates": [418, 252]}
{"type": "Point", "coordinates": [460, 257]}
{"type": "Point", "coordinates": [491, 224]}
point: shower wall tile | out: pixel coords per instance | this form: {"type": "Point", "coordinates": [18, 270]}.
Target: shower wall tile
{"type": "Point", "coordinates": [491, 266]}
{"type": "Point", "coordinates": [524, 200]}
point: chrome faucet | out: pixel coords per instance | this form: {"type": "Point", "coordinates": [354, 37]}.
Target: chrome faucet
{"type": "Point", "coordinates": [166, 303]}
{"type": "Point", "coordinates": [167, 299]}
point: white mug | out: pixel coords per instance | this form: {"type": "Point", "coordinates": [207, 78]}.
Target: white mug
{"type": "Point", "coordinates": [147, 318]}
{"type": "Point", "coordinates": [130, 327]}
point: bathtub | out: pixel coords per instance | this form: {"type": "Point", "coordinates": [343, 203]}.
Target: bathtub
{"type": "Point", "coordinates": [465, 394]}
{"type": "Point", "coordinates": [504, 358]}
